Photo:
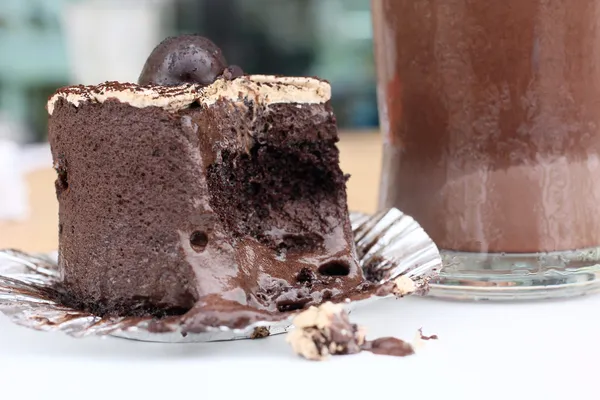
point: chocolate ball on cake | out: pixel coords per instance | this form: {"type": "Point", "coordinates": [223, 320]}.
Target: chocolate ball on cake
{"type": "Point", "coordinates": [183, 59]}
{"type": "Point", "coordinates": [200, 189]}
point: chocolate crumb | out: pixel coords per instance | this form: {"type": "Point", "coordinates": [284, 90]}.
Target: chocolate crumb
{"type": "Point", "coordinates": [424, 337]}
{"type": "Point", "coordinates": [232, 72]}
{"type": "Point", "coordinates": [260, 332]}
{"type": "Point", "coordinates": [323, 331]}
{"type": "Point", "coordinates": [305, 276]}
{"type": "Point", "coordinates": [403, 285]}
{"type": "Point", "coordinates": [326, 330]}
{"type": "Point", "coordinates": [372, 270]}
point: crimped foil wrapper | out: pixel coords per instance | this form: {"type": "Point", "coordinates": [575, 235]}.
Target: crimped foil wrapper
{"type": "Point", "coordinates": [389, 244]}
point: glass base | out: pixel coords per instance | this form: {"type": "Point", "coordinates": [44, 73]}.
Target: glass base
{"type": "Point", "coordinates": [523, 276]}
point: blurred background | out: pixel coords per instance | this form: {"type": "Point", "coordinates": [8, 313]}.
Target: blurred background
{"type": "Point", "coordinates": [46, 44]}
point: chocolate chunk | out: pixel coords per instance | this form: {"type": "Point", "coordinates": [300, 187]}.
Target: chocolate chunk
{"type": "Point", "coordinates": [389, 346]}
{"type": "Point", "coordinates": [232, 72]}
{"type": "Point", "coordinates": [260, 332]}
{"type": "Point", "coordinates": [305, 276]}
{"type": "Point", "coordinates": [184, 59]}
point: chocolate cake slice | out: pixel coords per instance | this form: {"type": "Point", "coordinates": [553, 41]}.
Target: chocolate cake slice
{"type": "Point", "coordinates": [224, 196]}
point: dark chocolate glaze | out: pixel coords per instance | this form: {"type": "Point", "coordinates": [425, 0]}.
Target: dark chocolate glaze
{"type": "Point", "coordinates": [158, 210]}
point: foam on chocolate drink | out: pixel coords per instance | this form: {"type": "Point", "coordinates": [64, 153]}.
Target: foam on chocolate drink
{"type": "Point", "coordinates": [201, 190]}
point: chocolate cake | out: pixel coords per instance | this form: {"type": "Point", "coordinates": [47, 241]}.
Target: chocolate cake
{"type": "Point", "coordinates": [222, 196]}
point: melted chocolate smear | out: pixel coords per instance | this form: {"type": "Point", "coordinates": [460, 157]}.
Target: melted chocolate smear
{"type": "Point", "coordinates": [185, 59]}
{"type": "Point", "coordinates": [389, 346]}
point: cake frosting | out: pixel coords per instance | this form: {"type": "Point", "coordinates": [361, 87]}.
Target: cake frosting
{"type": "Point", "coordinates": [262, 89]}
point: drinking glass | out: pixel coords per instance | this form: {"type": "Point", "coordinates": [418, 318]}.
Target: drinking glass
{"type": "Point", "coordinates": [490, 115]}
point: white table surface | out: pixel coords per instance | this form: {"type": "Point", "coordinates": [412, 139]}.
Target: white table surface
{"type": "Point", "coordinates": [534, 350]}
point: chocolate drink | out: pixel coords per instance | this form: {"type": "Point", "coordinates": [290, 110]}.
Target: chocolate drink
{"type": "Point", "coordinates": [489, 111]}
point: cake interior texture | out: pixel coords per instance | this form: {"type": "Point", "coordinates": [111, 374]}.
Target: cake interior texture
{"type": "Point", "coordinates": [278, 185]}
{"type": "Point", "coordinates": [230, 207]}
{"type": "Point", "coordinates": [279, 182]}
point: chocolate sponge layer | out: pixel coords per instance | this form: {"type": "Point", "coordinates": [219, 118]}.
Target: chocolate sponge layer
{"type": "Point", "coordinates": [232, 203]}
{"type": "Point", "coordinates": [126, 184]}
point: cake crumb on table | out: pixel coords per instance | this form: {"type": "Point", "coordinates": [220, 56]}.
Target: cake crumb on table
{"type": "Point", "coordinates": [260, 332]}
{"type": "Point", "coordinates": [326, 330]}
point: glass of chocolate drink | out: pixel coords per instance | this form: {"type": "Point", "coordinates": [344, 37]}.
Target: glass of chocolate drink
{"type": "Point", "coordinates": [490, 114]}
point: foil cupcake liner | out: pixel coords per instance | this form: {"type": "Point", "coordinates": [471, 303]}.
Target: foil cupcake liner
{"type": "Point", "coordinates": [389, 244]}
